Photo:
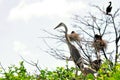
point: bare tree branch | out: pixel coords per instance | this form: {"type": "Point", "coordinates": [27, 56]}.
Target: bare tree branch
{"type": "Point", "coordinates": [32, 63]}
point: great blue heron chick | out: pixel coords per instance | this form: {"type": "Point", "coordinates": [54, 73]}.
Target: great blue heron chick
{"type": "Point", "coordinates": [99, 43]}
{"type": "Point", "coordinates": [74, 36]}
{"type": "Point", "coordinates": [76, 57]}
{"type": "Point", "coordinates": [96, 64]}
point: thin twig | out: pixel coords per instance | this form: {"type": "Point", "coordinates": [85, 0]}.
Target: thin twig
{"type": "Point", "coordinates": [32, 63]}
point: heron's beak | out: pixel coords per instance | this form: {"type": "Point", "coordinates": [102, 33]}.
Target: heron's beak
{"type": "Point", "coordinates": [58, 25]}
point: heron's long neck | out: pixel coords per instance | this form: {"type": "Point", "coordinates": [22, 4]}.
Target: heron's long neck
{"type": "Point", "coordinates": [110, 4]}
{"type": "Point", "coordinates": [66, 35]}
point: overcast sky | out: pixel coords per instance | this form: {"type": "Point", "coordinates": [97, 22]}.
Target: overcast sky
{"type": "Point", "coordinates": [22, 22]}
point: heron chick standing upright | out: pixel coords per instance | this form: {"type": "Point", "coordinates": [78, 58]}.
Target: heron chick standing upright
{"type": "Point", "coordinates": [77, 58]}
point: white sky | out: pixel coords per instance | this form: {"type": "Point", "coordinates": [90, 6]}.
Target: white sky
{"type": "Point", "coordinates": [21, 22]}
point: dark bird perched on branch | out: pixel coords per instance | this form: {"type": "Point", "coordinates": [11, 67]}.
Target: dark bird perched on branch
{"type": "Point", "coordinates": [109, 8]}
{"type": "Point", "coordinates": [77, 58]}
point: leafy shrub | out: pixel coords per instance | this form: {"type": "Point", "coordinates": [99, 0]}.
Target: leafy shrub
{"type": "Point", "coordinates": [61, 73]}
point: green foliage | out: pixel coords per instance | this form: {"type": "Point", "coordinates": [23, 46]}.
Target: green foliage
{"type": "Point", "coordinates": [17, 73]}
{"type": "Point", "coordinates": [109, 73]}
{"type": "Point", "coordinates": [106, 72]}
{"type": "Point", "coordinates": [90, 77]}
{"type": "Point", "coordinates": [60, 73]}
